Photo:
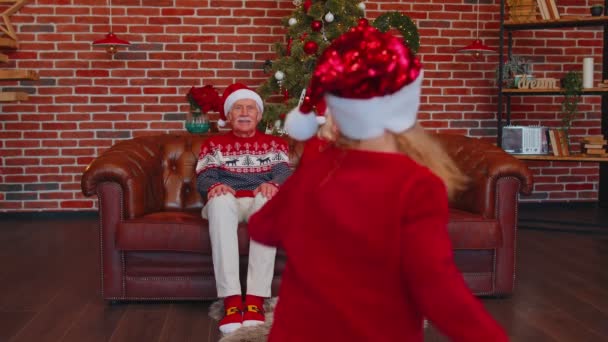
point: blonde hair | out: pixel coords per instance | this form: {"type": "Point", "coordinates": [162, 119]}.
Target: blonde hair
{"type": "Point", "coordinates": [426, 150]}
{"type": "Point", "coordinates": [423, 148]}
{"type": "Point", "coordinates": [328, 131]}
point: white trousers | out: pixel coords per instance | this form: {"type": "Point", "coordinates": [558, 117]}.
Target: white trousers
{"type": "Point", "coordinates": [224, 213]}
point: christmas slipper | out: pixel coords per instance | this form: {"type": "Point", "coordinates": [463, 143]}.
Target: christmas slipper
{"type": "Point", "coordinates": [233, 318]}
{"type": "Point", "coordinates": [254, 311]}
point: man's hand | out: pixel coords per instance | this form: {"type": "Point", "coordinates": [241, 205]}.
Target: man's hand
{"type": "Point", "coordinates": [221, 189]}
{"type": "Point", "coordinates": [267, 190]}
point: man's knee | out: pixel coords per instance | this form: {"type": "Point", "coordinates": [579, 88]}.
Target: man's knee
{"type": "Point", "coordinates": [258, 202]}
{"type": "Point", "coordinates": [222, 203]}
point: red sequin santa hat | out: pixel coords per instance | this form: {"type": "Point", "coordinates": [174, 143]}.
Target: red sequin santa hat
{"type": "Point", "coordinates": [233, 93]}
{"type": "Point", "coordinates": [371, 82]}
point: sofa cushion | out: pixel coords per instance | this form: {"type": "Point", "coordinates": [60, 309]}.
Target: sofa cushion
{"type": "Point", "coordinates": [472, 231]}
{"type": "Point", "coordinates": [177, 231]}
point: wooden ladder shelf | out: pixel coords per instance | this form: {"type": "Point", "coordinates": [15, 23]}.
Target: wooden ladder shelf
{"type": "Point", "coordinates": [8, 40]}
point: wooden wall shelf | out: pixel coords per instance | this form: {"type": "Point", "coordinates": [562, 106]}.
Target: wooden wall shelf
{"type": "Point", "coordinates": [18, 74]}
{"type": "Point", "coordinates": [8, 43]}
{"type": "Point", "coordinates": [559, 23]}
{"type": "Point", "coordinates": [574, 157]}
{"type": "Point", "coordinates": [587, 91]}
{"type": "Point", "coordinates": [13, 96]}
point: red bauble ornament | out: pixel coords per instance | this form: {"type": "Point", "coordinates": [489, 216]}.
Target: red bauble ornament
{"type": "Point", "coordinates": [316, 25]}
{"type": "Point", "coordinates": [310, 47]}
{"type": "Point", "coordinates": [307, 4]}
{"type": "Point", "coordinates": [363, 22]}
{"type": "Point", "coordinates": [285, 95]}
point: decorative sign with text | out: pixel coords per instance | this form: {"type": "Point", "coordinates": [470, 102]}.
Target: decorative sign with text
{"type": "Point", "coordinates": [526, 82]}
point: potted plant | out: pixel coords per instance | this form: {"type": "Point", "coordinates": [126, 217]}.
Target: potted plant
{"type": "Point", "coordinates": [572, 85]}
{"type": "Point", "coordinates": [597, 9]}
{"type": "Point", "coordinates": [202, 100]}
{"type": "Point", "coordinates": [514, 69]}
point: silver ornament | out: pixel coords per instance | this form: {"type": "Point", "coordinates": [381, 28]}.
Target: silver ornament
{"type": "Point", "coordinates": [292, 21]}
{"type": "Point", "coordinates": [279, 75]}
{"type": "Point", "coordinates": [329, 17]}
{"type": "Point", "coordinates": [361, 6]}
{"type": "Point", "coordinates": [297, 2]}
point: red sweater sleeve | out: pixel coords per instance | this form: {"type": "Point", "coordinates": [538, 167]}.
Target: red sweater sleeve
{"type": "Point", "coordinates": [267, 224]}
{"type": "Point", "coordinates": [435, 284]}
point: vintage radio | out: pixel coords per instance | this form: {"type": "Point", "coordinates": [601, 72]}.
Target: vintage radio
{"type": "Point", "coordinates": [525, 139]}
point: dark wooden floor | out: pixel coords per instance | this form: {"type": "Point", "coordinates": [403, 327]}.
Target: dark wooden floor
{"type": "Point", "coordinates": [49, 290]}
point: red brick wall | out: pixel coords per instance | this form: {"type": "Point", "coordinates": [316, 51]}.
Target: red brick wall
{"type": "Point", "coordinates": [85, 101]}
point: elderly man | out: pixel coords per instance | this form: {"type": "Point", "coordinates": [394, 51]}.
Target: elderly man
{"type": "Point", "coordinates": [237, 173]}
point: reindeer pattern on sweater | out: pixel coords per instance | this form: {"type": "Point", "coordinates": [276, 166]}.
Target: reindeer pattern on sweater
{"type": "Point", "coordinates": [242, 163]}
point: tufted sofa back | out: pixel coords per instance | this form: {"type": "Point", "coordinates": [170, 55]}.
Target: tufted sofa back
{"type": "Point", "coordinates": [178, 157]}
{"type": "Point", "coordinates": [156, 173]}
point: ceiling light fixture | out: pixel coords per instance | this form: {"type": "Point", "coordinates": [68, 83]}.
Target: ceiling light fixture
{"type": "Point", "coordinates": [477, 48]}
{"type": "Point", "coordinates": [111, 42]}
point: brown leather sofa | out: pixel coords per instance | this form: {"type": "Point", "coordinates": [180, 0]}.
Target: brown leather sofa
{"type": "Point", "coordinates": [155, 246]}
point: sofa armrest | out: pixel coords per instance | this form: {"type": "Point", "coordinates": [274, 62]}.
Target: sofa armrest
{"type": "Point", "coordinates": [135, 165]}
{"type": "Point", "coordinates": [484, 164]}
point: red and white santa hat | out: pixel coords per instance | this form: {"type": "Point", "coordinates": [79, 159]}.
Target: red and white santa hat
{"type": "Point", "coordinates": [233, 93]}
{"type": "Point", "coordinates": [371, 82]}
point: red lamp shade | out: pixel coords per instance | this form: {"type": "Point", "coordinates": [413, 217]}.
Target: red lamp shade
{"type": "Point", "coordinates": [477, 48]}
{"type": "Point", "coordinates": [111, 42]}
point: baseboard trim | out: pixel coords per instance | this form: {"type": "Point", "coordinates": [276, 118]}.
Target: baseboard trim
{"type": "Point", "coordinates": [595, 223]}
{"type": "Point", "coordinates": [48, 215]}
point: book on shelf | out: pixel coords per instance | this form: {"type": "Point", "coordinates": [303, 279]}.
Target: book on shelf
{"type": "Point", "coordinates": [586, 145]}
{"type": "Point", "coordinates": [594, 139]}
{"type": "Point", "coordinates": [542, 8]}
{"type": "Point", "coordinates": [553, 12]}
{"type": "Point", "coordinates": [563, 142]}
{"type": "Point", "coordinates": [559, 143]}
{"type": "Point", "coordinates": [595, 151]}
{"type": "Point", "coordinates": [553, 142]}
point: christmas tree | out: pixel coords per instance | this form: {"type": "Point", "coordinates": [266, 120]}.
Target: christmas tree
{"type": "Point", "coordinates": [312, 26]}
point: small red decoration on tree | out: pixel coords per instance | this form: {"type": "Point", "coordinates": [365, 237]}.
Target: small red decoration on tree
{"type": "Point", "coordinates": [307, 4]}
{"type": "Point", "coordinates": [316, 25]}
{"type": "Point", "coordinates": [288, 49]}
{"type": "Point", "coordinates": [310, 47]}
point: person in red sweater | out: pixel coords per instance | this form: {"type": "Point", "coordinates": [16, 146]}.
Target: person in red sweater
{"type": "Point", "coordinates": [364, 224]}
{"type": "Point", "coordinates": [237, 173]}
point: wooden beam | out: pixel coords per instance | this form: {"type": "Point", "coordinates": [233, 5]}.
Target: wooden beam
{"type": "Point", "coordinates": [3, 57]}
{"type": "Point", "coordinates": [13, 96]}
{"type": "Point", "coordinates": [17, 74]}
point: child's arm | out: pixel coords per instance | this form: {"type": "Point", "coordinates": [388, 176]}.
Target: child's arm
{"type": "Point", "coordinates": [435, 284]}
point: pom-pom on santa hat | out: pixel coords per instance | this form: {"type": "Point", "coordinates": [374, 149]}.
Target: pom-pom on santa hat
{"type": "Point", "coordinates": [371, 82]}
{"type": "Point", "coordinates": [233, 93]}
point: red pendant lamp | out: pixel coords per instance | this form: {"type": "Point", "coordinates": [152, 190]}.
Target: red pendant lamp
{"type": "Point", "coordinates": [111, 42]}
{"type": "Point", "coordinates": [477, 49]}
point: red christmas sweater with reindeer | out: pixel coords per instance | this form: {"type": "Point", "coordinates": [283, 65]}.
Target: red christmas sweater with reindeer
{"type": "Point", "coordinates": [242, 163]}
